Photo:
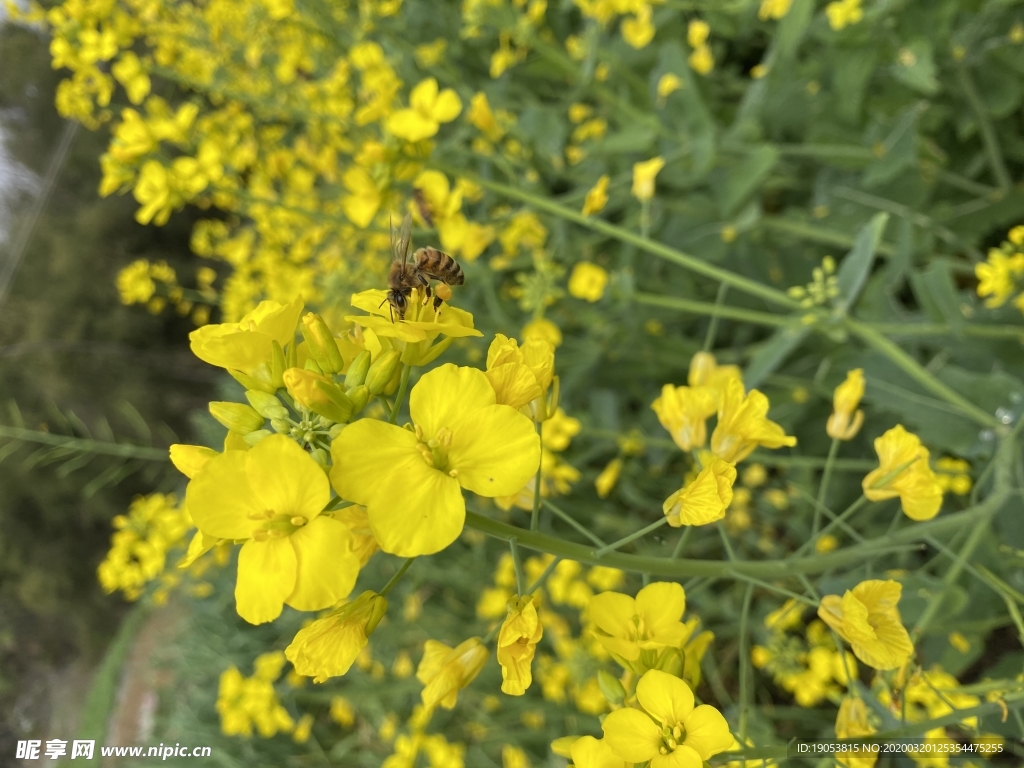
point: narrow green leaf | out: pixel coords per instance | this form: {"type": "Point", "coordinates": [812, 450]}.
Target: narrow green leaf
{"type": "Point", "coordinates": [936, 292]}
{"type": "Point", "coordinates": [15, 413]}
{"type": "Point", "coordinates": [135, 419]}
{"type": "Point", "coordinates": [773, 353]}
{"type": "Point", "coordinates": [741, 182]}
{"type": "Point", "coordinates": [857, 263]}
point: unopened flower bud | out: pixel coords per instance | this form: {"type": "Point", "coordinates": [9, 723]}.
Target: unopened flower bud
{"type": "Point", "coordinates": [254, 437]}
{"type": "Point", "coordinates": [670, 660]}
{"type": "Point", "coordinates": [357, 370]}
{"type": "Point", "coordinates": [318, 393]}
{"type": "Point", "coordinates": [312, 365]}
{"type": "Point", "coordinates": [266, 404]}
{"type": "Point", "coordinates": [335, 431]}
{"type": "Point", "coordinates": [260, 378]}
{"type": "Point", "coordinates": [277, 365]}
{"type": "Point", "coordinates": [237, 417]}
{"type": "Point", "coordinates": [322, 345]}
{"type": "Point", "coordinates": [320, 457]}
{"type": "Point", "coordinates": [359, 396]}
{"type": "Point", "coordinates": [611, 687]}
{"type": "Point", "coordinates": [382, 371]}
{"type": "Point", "coordinates": [280, 426]}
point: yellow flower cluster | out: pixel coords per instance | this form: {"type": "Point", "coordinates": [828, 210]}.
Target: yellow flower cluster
{"type": "Point", "coordinates": [843, 13]}
{"type": "Point", "coordinates": [155, 284]}
{"type": "Point", "coordinates": [245, 703]}
{"type": "Point", "coordinates": [742, 426]}
{"type": "Point", "coordinates": [1001, 275]}
{"type": "Point", "coordinates": [154, 525]}
{"type": "Point", "coordinates": [805, 663]}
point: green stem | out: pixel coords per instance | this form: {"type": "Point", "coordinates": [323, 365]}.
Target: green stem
{"type": "Point", "coordinates": [745, 670]}
{"type": "Point", "coordinates": [681, 544]}
{"type": "Point", "coordinates": [927, 380]}
{"type": "Point", "coordinates": [709, 339]}
{"type": "Point", "coordinates": [395, 579]}
{"type": "Point", "coordinates": [403, 384]}
{"type": "Point", "coordinates": [714, 311]}
{"type": "Point", "coordinates": [826, 475]}
{"type": "Point", "coordinates": [544, 576]}
{"type": "Point", "coordinates": [692, 263]}
{"type": "Point", "coordinates": [83, 445]}
{"type": "Point", "coordinates": [535, 513]}
{"type": "Point", "coordinates": [517, 562]}
{"type": "Point", "coordinates": [842, 518]}
{"type": "Point", "coordinates": [632, 537]}
{"type": "Point", "coordinates": [988, 134]}
{"type": "Point", "coordinates": [577, 526]}
{"type": "Point", "coordinates": [725, 542]}
{"type": "Point", "coordinates": [935, 603]}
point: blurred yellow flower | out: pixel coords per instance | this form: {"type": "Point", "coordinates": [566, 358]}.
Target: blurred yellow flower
{"type": "Point", "coordinates": [667, 84]}
{"type": "Point", "coordinates": [363, 199]}
{"type": "Point", "coordinates": [773, 9]}
{"type": "Point", "coordinates": [597, 196]}
{"type": "Point", "coordinates": [846, 419]}
{"type": "Point", "coordinates": [588, 281]}
{"type": "Point", "coordinates": [843, 13]}
{"type": "Point", "coordinates": [643, 177]}
{"type": "Point", "coordinates": [605, 482]}
{"type": "Point", "coordinates": [638, 30]}
{"type": "Point", "coordinates": [852, 723]}
{"type": "Point", "coordinates": [704, 499]}
{"type": "Point", "coordinates": [444, 671]}
{"type": "Point", "coordinates": [904, 471]}
{"type": "Point", "coordinates": [542, 328]}
{"type": "Point", "coordinates": [867, 618]}
{"type": "Point", "coordinates": [705, 371]}
{"type": "Point", "coordinates": [428, 108]}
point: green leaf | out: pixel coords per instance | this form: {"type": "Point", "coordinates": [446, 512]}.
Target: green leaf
{"type": "Point", "coordinates": [636, 138]}
{"type": "Point", "coordinates": [745, 178]}
{"type": "Point", "coordinates": [773, 353]}
{"type": "Point", "coordinates": [936, 292]}
{"type": "Point", "coordinates": [686, 107]}
{"type": "Point", "coordinates": [916, 67]}
{"type": "Point", "coordinates": [857, 263]}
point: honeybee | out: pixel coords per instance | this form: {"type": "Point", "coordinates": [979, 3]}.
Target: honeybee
{"type": "Point", "coordinates": [427, 264]}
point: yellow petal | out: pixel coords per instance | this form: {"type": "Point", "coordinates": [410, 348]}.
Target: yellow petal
{"type": "Point", "coordinates": [266, 576]}
{"type": "Point", "coordinates": [447, 396]}
{"type": "Point", "coordinates": [285, 479]}
{"type": "Point", "coordinates": [662, 605]}
{"type": "Point", "coordinates": [227, 347]}
{"type": "Point", "coordinates": [588, 752]}
{"type": "Point", "coordinates": [632, 735]}
{"type": "Point", "coordinates": [666, 698]}
{"type": "Point", "coordinates": [425, 517]}
{"type": "Point", "coordinates": [220, 500]}
{"type": "Point", "coordinates": [879, 595]}
{"type": "Point", "coordinates": [190, 459]}
{"type": "Point", "coordinates": [366, 456]}
{"type": "Point", "coordinates": [680, 757]}
{"type": "Point", "coordinates": [327, 567]}
{"type": "Point", "coordinates": [278, 321]}
{"type": "Point", "coordinates": [411, 125]}
{"type": "Point", "coordinates": [424, 95]}
{"type": "Point", "coordinates": [496, 452]}
{"type": "Point", "coordinates": [707, 732]}
{"type": "Point", "coordinates": [447, 106]}
{"type": "Point", "coordinates": [197, 547]}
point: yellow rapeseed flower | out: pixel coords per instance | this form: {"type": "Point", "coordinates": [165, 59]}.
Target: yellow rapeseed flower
{"type": "Point", "coordinates": [638, 30]}
{"type": "Point", "coordinates": [852, 723]}
{"type": "Point", "coordinates": [846, 419]}
{"type": "Point", "coordinates": [588, 281]}
{"type": "Point", "coordinates": [461, 439]}
{"type": "Point", "coordinates": [705, 371]}
{"type": "Point", "coordinates": [588, 752]}
{"type": "Point", "coordinates": [684, 411]}
{"type": "Point", "coordinates": [520, 374]}
{"type": "Point", "coordinates": [668, 84]}
{"type": "Point", "coordinates": [842, 13]}
{"type": "Point", "coordinates": [640, 628]}
{"type": "Point", "coordinates": [704, 499]}
{"type": "Point", "coordinates": [643, 177]}
{"type": "Point", "coordinates": [363, 199]}
{"type": "Point", "coordinates": [517, 642]}
{"type": "Point", "coordinates": [247, 345]}
{"type": "Point", "coordinates": [904, 471]}
{"type": "Point", "coordinates": [444, 671]}
{"type": "Point", "coordinates": [668, 730]}
{"type": "Point", "coordinates": [597, 196]}
{"type": "Point", "coordinates": [428, 108]}
{"type": "Point", "coordinates": [271, 497]}
{"type": "Point", "coordinates": [609, 476]}
{"type": "Point", "coordinates": [743, 424]}
{"type": "Point", "coordinates": [773, 9]}
{"type": "Point", "coordinates": [998, 276]}
{"type": "Point", "coordinates": [542, 328]}
{"type": "Point", "coordinates": [329, 646]}
{"type": "Point", "coordinates": [867, 618]}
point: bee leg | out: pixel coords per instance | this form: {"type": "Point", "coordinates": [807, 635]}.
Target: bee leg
{"type": "Point", "coordinates": [426, 294]}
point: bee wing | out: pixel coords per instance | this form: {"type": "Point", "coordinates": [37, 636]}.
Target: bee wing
{"type": "Point", "coordinates": [400, 246]}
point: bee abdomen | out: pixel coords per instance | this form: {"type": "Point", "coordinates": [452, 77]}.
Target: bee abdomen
{"type": "Point", "coordinates": [439, 266]}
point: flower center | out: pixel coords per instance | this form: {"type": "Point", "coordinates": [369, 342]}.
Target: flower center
{"type": "Point", "coordinates": [671, 737]}
{"type": "Point", "coordinates": [640, 630]}
{"type": "Point", "coordinates": [435, 449]}
{"type": "Point", "coordinates": [270, 525]}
